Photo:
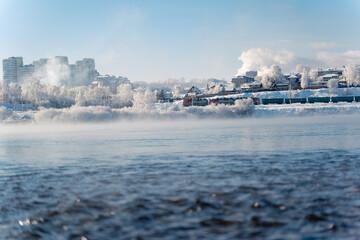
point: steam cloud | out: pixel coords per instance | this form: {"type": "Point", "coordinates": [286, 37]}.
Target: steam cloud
{"type": "Point", "coordinates": [258, 58]}
{"type": "Point", "coordinates": [140, 110]}
{"type": "Point", "coordinates": [255, 59]}
{"type": "Point", "coordinates": [54, 73]}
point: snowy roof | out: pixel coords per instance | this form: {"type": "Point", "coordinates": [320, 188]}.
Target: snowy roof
{"type": "Point", "coordinates": [293, 76]}
{"type": "Point", "coordinates": [330, 75]}
{"type": "Point", "coordinates": [194, 89]}
{"type": "Point", "coordinates": [248, 85]}
{"type": "Point", "coordinates": [255, 83]}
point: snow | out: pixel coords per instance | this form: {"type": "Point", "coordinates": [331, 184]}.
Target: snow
{"type": "Point", "coordinates": [330, 75]}
{"type": "Point", "coordinates": [144, 107]}
{"type": "Point", "coordinates": [330, 109]}
{"type": "Point", "coordinates": [324, 92]}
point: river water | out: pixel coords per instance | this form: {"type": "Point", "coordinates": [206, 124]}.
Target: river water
{"type": "Point", "coordinates": [276, 178]}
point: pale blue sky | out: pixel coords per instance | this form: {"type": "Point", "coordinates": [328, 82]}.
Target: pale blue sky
{"type": "Point", "coordinates": [152, 40]}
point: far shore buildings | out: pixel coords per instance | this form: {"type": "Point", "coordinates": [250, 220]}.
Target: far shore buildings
{"type": "Point", "coordinates": [11, 68]}
{"type": "Point", "coordinates": [82, 73]}
{"type": "Point", "coordinates": [249, 82]}
{"type": "Point", "coordinates": [109, 81]}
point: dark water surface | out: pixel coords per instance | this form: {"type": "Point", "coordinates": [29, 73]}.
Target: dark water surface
{"type": "Point", "coordinates": [233, 179]}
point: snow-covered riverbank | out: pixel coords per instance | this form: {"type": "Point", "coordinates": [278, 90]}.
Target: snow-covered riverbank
{"type": "Point", "coordinates": [175, 111]}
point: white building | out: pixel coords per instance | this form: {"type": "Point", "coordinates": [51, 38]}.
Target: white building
{"type": "Point", "coordinates": [84, 72]}
{"type": "Point", "coordinates": [25, 72]}
{"type": "Point", "coordinates": [10, 69]}
{"type": "Point", "coordinates": [62, 60]}
{"type": "Point", "coordinates": [322, 72]}
{"type": "Point", "coordinates": [112, 82]}
{"type": "Point", "coordinates": [329, 76]}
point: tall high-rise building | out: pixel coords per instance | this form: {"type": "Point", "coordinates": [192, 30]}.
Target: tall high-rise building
{"type": "Point", "coordinates": [25, 72]}
{"type": "Point", "coordinates": [84, 72]}
{"type": "Point", "coordinates": [89, 68]}
{"type": "Point", "coordinates": [10, 69]}
{"type": "Point", "coordinates": [62, 60]}
{"type": "Point", "coordinates": [73, 73]}
{"type": "Point", "coordinates": [57, 69]}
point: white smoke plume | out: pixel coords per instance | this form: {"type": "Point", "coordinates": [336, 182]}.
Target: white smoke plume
{"type": "Point", "coordinates": [258, 58]}
{"type": "Point", "coordinates": [53, 72]}
{"type": "Point", "coordinates": [300, 68]}
{"type": "Point", "coordinates": [255, 59]}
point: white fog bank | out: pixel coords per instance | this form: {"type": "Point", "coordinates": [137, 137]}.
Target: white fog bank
{"type": "Point", "coordinates": [175, 111]}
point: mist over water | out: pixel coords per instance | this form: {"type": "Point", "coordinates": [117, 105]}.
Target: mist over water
{"type": "Point", "coordinates": [275, 178]}
{"type": "Point", "coordinates": [172, 112]}
{"type": "Point", "coordinates": [143, 108]}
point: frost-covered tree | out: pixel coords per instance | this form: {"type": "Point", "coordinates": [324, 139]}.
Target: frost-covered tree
{"type": "Point", "coordinates": [269, 77]}
{"type": "Point", "coordinates": [352, 74]}
{"type": "Point", "coordinates": [333, 85]}
{"type": "Point", "coordinates": [92, 96]}
{"type": "Point", "coordinates": [160, 95]}
{"type": "Point", "coordinates": [35, 92]}
{"type": "Point", "coordinates": [124, 96]}
{"type": "Point", "coordinates": [80, 99]}
{"type": "Point", "coordinates": [314, 75]}
{"type": "Point", "coordinates": [3, 91]}
{"type": "Point", "coordinates": [53, 91]}
{"type": "Point", "coordinates": [178, 90]}
{"type": "Point", "coordinates": [144, 99]}
{"type": "Point", "coordinates": [305, 79]}
{"type": "Point", "coordinates": [14, 92]}
{"type": "Point", "coordinates": [214, 89]}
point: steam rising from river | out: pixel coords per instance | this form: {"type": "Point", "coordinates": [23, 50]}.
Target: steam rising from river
{"type": "Point", "coordinates": [143, 110]}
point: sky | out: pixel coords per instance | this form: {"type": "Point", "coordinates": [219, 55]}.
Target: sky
{"type": "Point", "coordinates": [153, 40]}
